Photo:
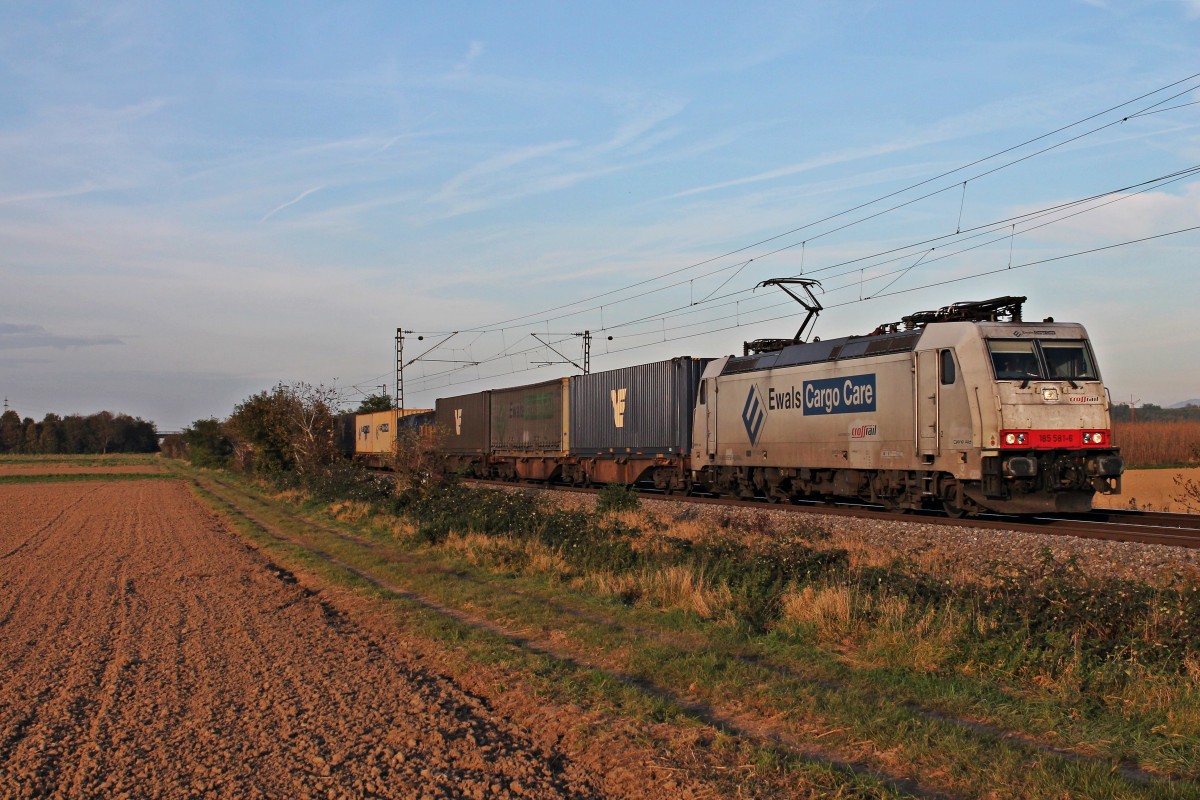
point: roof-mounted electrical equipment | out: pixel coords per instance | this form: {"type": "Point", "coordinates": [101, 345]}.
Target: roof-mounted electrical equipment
{"type": "Point", "coordinates": [998, 309]}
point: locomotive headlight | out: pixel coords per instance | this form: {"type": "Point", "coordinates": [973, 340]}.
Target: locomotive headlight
{"type": "Point", "coordinates": [1014, 438]}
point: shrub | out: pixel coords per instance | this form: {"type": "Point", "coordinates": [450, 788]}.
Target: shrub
{"type": "Point", "coordinates": [616, 498]}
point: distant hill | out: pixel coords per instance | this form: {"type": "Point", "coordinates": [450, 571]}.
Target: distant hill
{"type": "Point", "coordinates": [1185, 404]}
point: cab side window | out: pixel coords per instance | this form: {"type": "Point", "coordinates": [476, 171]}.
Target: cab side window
{"type": "Point", "coordinates": [949, 375]}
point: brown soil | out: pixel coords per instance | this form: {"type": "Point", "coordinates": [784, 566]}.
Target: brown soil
{"type": "Point", "coordinates": [146, 652]}
{"type": "Point", "coordinates": [1150, 490]}
{"type": "Point", "coordinates": [51, 468]}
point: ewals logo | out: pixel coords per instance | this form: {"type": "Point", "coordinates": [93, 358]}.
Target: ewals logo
{"type": "Point", "coordinates": [618, 404]}
{"type": "Point", "coordinates": [754, 414]}
{"type": "Point", "coordinates": [851, 395]}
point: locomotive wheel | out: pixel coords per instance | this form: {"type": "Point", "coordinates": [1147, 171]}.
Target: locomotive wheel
{"type": "Point", "coordinates": [952, 503]}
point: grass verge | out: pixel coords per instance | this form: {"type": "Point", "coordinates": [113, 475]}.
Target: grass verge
{"type": "Point", "coordinates": [1030, 679]}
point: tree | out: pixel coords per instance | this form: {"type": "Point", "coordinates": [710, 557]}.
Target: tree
{"type": "Point", "coordinates": [50, 439]}
{"type": "Point", "coordinates": [29, 439]}
{"type": "Point", "coordinates": [207, 444]}
{"type": "Point", "coordinates": [288, 428]}
{"type": "Point", "coordinates": [373, 403]}
{"type": "Point", "coordinates": [10, 431]}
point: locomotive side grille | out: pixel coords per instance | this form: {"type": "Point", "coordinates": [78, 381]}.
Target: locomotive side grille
{"type": "Point", "coordinates": [893, 344]}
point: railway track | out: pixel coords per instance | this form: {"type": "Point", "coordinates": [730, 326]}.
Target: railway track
{"type": "Point", "coordinates": [1142, 527]}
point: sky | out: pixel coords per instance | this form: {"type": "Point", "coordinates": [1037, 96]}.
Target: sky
{"type": "Point", "coordinates": [199, 201]}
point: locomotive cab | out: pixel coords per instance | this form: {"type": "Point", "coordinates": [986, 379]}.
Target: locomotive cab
{"type": "Point", "coordinates": [1052, 438]}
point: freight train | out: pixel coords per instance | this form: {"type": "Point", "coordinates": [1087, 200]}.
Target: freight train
{"type": "Point", "coordinates": [967, 408]}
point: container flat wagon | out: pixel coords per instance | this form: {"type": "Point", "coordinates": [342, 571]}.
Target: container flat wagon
{"type": "Point", "coordinates": [633, 424]}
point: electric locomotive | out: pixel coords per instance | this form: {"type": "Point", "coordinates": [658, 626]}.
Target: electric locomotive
{"type": "Point", "coordinates": [968, 408]}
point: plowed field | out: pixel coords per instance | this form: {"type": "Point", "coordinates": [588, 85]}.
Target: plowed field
{"type": "Point", "coordinates": [72, 469]}
{"type": "Point", "coordinates": [146, 652]}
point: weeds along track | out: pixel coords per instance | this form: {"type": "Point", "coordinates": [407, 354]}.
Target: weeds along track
{"type": "Point", "coordinates": [814, 711]}
{"type": "Point", "coordinates": [1141, 527]}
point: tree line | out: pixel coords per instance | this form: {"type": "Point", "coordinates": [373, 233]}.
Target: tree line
{"type": "Point", "coordinates": [1148, 412]}
{"type": "Point", "coordinates": [289, 428]}
{"type": "Point", "coordinates": [95, 434]}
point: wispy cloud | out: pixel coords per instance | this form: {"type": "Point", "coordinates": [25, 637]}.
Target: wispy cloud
{"type": "Point", "coordinates": [463, 68]}
{"type": "Point", "coordinates": [291, 202]}
{"type": "Point", "coordinates": [23, 337]}
{"type": "Point", "coordinates": [1134, 216]}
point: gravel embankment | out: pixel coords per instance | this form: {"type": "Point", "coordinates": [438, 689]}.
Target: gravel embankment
{"type": "Point", "coordinates": [937, 547]}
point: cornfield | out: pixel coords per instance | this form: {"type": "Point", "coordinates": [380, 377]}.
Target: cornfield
{"type": "Point", "coordinates": [1158, 443]}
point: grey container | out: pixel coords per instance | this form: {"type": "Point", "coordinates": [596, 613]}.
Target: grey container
{"type": "Point", "coordinates": [530, 420]}
{"type": "Point", "coordinates": [464, 423]}
{"type": "Point", "coordinates": [643, 410]}
{"type": "Point", "coordinates": [416, 421]}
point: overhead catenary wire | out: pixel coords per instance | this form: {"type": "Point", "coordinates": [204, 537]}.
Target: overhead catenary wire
{"type": "Point", "coordinates": [538, 315]}
{"type": "Point", "coordinates": [981, 230]}
{"type": "Point", "coordinates": [738, 320]}
{"type": "Point", "coordinates": [860, 220]}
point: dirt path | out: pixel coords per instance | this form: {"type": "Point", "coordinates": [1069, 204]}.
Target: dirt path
{"type": "Point", "coordinates": [144, 652]}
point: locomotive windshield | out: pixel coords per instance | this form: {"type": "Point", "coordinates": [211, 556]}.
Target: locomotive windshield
{"type": "Point", "coordinates": [1068, 361]}
{"type": "Point", "coordinates": [1029, 359]}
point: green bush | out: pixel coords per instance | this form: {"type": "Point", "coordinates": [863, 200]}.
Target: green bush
{"type": "Point", "coordinates": [615, 498]}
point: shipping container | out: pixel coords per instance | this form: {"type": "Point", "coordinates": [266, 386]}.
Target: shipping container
{"type": "Point", "coordinates": [418, 420]}
{"type": "Point", "coordinates": [633, 425]}
{"type": "Point", "coordinates": [375, 436]}
{"type": "Point", "coordinates": [531, 420]}
{"type": "Point", "coordinates": [464, 423]}
{"type": "Point", "coordinates": [644, 410]}
{"type": "Point", "coordinates": [529, 431]}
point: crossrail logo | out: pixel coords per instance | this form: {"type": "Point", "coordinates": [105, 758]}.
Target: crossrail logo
{"type": "Point", "coordinates": [754, 414]}
{"type": "Point", "coordinates": [864, 431]}
{"type": "Point", "coordinates": [618, 404]}
{"type": "Point", "coordinates": [458, 422]}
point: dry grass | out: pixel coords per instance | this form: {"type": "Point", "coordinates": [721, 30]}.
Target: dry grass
{"type": "Point", "coordinates": [881, 630]}
{"type": "Point", "coordinates": [1149, 444]}
{"type": "Point", "coordinates": [292, 497]}
{"type": "Point", "coordinates": [528, 556]}
{"type": "Point", "coordinates": [1173, 697]}
{"type": "Point", "coordinates": [350, 510]}
{"type": "Point", "coordinates": [670, 588]}
{"type": "Point", "coordinates": [832, 612]}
